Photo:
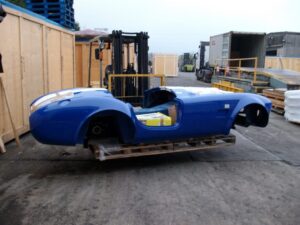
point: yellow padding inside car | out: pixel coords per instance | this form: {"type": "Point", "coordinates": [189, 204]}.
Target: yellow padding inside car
{"type": "Point", "coordinates": [155, 119]}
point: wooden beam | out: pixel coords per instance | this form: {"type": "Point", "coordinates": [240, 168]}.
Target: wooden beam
{"type": "Point", "coordinates": [9, 114]}
{"type": "Point", "coordinates": [2, 147]}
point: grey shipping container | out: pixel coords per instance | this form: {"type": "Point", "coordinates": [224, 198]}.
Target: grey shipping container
{"type": "Point", "coordinates": [235, 44]}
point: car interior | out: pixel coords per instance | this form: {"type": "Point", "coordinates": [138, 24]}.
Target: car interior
{"type": "Point", "coordinates": [162, 102]}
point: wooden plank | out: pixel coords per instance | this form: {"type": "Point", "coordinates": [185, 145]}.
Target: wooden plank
{"type": "Point", "coordinates": [95, 74]}
{"type": "Point", "coordinates": [78, 58]}
{"type": "Point", "coordinates": [33, 70]}
{"type": "Point", "coordinates": [45, 59]}
{"type": "Point", "coordinates": [54, 59]}
{"type": "Point", "coordinates": [273, 94]}
{"type": "Point", "coordinates": [16, 135]}
{"type": "Point", "coordinates": [74, 62]}
{"type": "Point", "coordinates": [84, 65]}
{"type": "Point", "coordinates": [67, 61]}
{"type": "Point", "coordinates": [2, 147]}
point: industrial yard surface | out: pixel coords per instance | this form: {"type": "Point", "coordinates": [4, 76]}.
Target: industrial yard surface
{"type": "Point", "coordinates": [256, 181]}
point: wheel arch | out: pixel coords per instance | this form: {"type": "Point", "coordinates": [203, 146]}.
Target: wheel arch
{"type": "Point", "coordinates": [126, 129]}
{"type": "Point", "coordinates": [251, 113]}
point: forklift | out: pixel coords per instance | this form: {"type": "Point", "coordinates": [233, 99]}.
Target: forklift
{"type": "Point", "coordinates": [187, 63]}
{"type": "Point", "coordinates": [203, 71]}
{"type": "Point", "coordinates": [126, 82]}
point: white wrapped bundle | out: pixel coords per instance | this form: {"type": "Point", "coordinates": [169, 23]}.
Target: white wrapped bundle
{"type": "Point", "coordinates": [292, 106]}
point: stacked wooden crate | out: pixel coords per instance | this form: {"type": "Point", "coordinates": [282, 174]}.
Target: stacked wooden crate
{"type": "Point", "coordinates": [277, 98]}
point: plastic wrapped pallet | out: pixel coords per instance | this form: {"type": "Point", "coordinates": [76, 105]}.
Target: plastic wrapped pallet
{"type": "Point", "coordinates": [155, 119]}
{"type": "Point", "coordinates": [292, 106]}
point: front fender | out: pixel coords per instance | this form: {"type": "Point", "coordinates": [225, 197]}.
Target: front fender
{"type": "Point", "coordinates": [62, 122]}
{"type": "Point", "coordinates": [118, 109]}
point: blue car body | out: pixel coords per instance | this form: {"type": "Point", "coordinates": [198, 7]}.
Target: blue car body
{"type": "Point", "coordinates": [64, 119]}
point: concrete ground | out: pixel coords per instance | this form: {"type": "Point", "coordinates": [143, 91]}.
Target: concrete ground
{"type": "Point", "coordinates": [256, 181]}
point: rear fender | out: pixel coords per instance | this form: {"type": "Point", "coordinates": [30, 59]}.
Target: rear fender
{"type": "Point", "coordinates": [253, 114]}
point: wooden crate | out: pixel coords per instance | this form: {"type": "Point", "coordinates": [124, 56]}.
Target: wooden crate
{"type": "Point", "coordinates": [82, 62]}
{"type": "Point", "coordinates": [38, 57]}
{"type": "Point", "coordinates": [283, 63]}
{"type": "Point", "coordinates": [165, 64]}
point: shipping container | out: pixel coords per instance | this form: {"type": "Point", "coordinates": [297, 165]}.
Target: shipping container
{"type": "Point", "coordinates": [283, 44]}
{"type": "Point", "coordinates": [234, 45]}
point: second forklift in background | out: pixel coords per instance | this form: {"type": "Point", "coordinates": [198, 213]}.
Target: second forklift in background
{"type": "Point", "coordinates": [203, 71]}
{"type": "Point", "coordinates": [186, 62]}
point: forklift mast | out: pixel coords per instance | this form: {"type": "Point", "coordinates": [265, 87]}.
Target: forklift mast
{"type": "Point", "coordinates": [116, 41]}
{"type": "Point", "coordinates": [203, 71]}
{"type": "Point", "coordinates": [202, 46]}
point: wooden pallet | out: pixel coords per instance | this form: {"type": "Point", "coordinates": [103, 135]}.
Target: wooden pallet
{"type": "Point", "coordinates": [277, 98]}
{"type": "Point", "coordinates": [277, 110]}
{"type": "Point", "coordinates": [106, 151]}
{"type": "Point", "coordinates": [277, 103]}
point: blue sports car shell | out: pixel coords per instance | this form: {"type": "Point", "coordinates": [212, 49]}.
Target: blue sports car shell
{"type": "Point", "coordinates": [74, 116]}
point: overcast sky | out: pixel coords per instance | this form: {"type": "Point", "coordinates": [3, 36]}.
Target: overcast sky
{"type": "Point", "coordinates": [178, 26]}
